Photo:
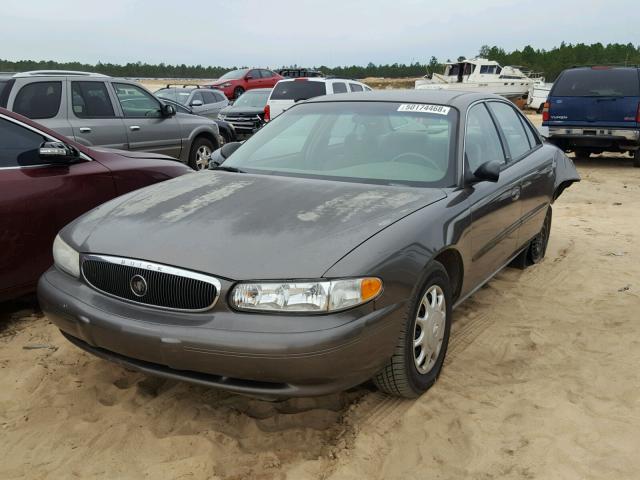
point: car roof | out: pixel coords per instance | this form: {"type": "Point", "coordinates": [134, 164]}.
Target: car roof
{"type": "Point", "coordinates": [455, 98]}
{"type": "Point", "coordinates": [320, 79]}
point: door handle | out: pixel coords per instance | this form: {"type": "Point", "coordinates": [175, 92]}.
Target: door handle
{"type": "Point", "coordinates": [134, 128]}
{"type": "Point", "coordinates": [515, 194]}
{"type": "Point", "coordinates": [85, 130]}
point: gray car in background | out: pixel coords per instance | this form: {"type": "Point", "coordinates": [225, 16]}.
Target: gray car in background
{"type": "Point", "coordinates": [202, 101]}
{"type": "Point", "coordinates": [96, 109]}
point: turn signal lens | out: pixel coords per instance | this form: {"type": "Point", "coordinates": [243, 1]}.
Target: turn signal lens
{"type": "Point", "coordinates": [369, 288]}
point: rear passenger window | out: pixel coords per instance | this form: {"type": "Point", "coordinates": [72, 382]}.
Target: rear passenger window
{"type": "Point", "coordinates": [19, 146]}
{"type": "Point", "coordinates": [355, 87]}
{"type": "Point", "coordinates": [512, 128]}
{"type": "Point", "coordinates": [91, 100]}
{"type": "Point", "coordinates": [339, 87]}
{"type": "Point", "coordinates": [482, 142]}
{"type": "Point", "coordinates": [39, 100]}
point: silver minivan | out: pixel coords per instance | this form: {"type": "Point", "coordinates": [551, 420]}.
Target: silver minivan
{"type": "Point", "coordinates": [98, 110]}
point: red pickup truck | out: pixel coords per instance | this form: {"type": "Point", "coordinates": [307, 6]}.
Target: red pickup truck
{"type": "Point", "coordinates": [236, 82]}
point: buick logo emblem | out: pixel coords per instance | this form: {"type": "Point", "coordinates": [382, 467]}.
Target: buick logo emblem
{"type": "Point", "coordinates": [138, 285]}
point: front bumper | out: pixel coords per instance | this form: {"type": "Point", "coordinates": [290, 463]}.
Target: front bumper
{"type": "Point", "coordinates": [189, 347]}
{"type": "Point", "coordinates": [597, 138]}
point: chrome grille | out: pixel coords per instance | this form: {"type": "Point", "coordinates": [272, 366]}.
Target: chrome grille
{"type": "Point", "coordinates": [164, 287]}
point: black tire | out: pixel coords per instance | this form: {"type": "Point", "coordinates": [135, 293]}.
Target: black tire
{"type": "Point", "coordinates": [540, 108]}
{"type": "Point", "coordinates": [196, 160]}
{"type": "Point", "coordinates": [636, 159]}
{"type": "Point", "coordinates": [537, 248]}
{"type": "Point", "coordinates": [401, 377]}
{"type": "Point", "coordinates": [237, 92]}
{"type": "Point", "coordinates": [582, 153]}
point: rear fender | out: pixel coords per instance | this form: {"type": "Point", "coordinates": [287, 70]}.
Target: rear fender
{"type": "Point", "coordinates": [565, 174]}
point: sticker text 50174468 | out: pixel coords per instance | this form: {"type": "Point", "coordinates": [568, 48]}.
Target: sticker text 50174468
{"type": "Point", "coordinates": [424, 108]}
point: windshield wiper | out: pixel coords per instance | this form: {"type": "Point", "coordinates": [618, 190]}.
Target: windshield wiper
{"type": "Point", "coordinates": [219, 166]}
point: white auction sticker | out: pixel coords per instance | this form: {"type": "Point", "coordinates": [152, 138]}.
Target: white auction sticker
{"type": "Point", "coordinates": [422, 108]}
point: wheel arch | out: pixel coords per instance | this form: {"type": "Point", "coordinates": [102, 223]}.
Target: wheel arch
{"type": "Point", "coordinates": [452, 262]}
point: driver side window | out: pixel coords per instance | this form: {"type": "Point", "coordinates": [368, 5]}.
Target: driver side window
{"type": "Point", "coordinates": [482, 142]}
{"type": "Point", "coordinates": [136, 102]}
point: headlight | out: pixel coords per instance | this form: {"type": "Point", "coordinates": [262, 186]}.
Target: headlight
{"type": "Point", "coordinates": [303, 296]}
{"type": "Point", "coordinates": [225, 85]}
{"type": "Point", "coordinates": [221, 116]}
{"type": "Point", "coordinates": [66, 258]}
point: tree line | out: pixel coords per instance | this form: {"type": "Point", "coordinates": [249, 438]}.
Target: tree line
{"type": "Point", "coordinates": [549, 62]}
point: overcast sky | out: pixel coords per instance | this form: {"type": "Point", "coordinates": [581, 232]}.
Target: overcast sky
{"type": "Point", "coordinates": [304, 32]}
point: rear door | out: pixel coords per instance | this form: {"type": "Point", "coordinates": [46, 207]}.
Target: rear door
{"type": "Point", "coordinates": [37, 200]}
{"type": "Point", "coordinates": [93, 116]}
{"type": "Point", "coordinates": [595, 97]}
{"type": "Point", "coordinates": [147, 129]}
{"type": "Point", "coordinates": [533, 164]}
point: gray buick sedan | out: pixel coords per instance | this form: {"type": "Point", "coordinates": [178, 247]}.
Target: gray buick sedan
{"type": "Point", "coordinates": [327, 250]}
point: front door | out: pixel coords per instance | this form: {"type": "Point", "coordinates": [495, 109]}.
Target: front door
{"type": "Point", "coordinates": [147, 129]}
{"type": "Point", "coordinates": [495, 206]}
{"type": "Point", "coordinates": [37, 200]}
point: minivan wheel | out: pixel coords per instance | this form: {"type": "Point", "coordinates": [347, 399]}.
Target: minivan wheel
{"type": "Point", "coordinates": [422, 345]}
{"type": "Point", "coordinates": [237, 92]}
{"type": "Point", "coordinates": [200, 155]}
{"type": "Point", "coordinates": [636, 158]}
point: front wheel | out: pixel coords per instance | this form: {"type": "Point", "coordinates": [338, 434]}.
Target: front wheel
{"type": "Point", "coordinates": [422, 345]}
{"type": "Point", "coordinates": [200, 154]}
{"type": "Point", "coordinates": [636, 158]}
{"type": "Point", "coordinates": [237, 92]}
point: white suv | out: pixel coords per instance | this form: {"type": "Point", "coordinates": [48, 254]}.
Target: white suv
{"type": "Point", "coordinates": [291, 90]}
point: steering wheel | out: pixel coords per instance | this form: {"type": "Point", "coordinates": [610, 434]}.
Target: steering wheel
{"type": "Point", "coordinates": [421, 159]}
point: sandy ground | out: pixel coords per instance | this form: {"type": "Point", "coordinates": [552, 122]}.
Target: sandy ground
{"type": "Point", "coordinates": [541, 382]}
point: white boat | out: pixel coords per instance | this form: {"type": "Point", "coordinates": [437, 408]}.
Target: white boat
{"type": "Point", "coordinates": [480, 75]}
{"type": "Point", "coordinates": [538, 95]}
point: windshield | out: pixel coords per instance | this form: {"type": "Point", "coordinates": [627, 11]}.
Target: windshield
{"type": "Point", "coordinates": [606, 82]}
{"type": "Point", "coordinates": [252, 99]}
{"type": "Point", "coordinates": [180, 96]}
{"type": "Point", "coordinates": [234, 74]}
{"type": "Point", "coordinates": [368, 142]}
{"type": "Point", "coordinates": [298, 90]}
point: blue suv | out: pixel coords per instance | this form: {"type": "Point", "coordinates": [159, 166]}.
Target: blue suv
{"type": "Point", "coordinates": [595, 109]}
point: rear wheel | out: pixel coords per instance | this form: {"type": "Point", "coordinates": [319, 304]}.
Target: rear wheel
{"type": "Point", "coordinates": [200, 155]}
{"type": "Point", "coordinates": [237, 92]}
{"type": "Point", "coordinates": [537, 248]}
{"type": "Point", "coordinates": [422, 345]}
{"type": "Point", "coordinates": [582, 153]}
{"type": "Point", "coordinates": [636, 158]}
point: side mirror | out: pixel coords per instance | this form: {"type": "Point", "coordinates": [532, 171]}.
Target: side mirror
{"type": "Point", "coordinates": [58, 152]}
{"type": "Point", "coordinates": [220, 155]}
{"type": "Point", "coordinates": [168, 110]}
{"type": "Point", "coordinates": [197, 103]}
{"type": "Point", "coordinates": [489, 171]}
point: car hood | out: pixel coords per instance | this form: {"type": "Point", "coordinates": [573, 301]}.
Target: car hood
{"type": "Point", "coordinates": [243, 226]}
{"type": "Point", "coordinates": [242, 111]}
{"type": "Point", "coordinates": [130, 154]}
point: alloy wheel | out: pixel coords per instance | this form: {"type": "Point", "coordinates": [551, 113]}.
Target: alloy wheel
{"type": "Point", "coordinates": [203, 155]}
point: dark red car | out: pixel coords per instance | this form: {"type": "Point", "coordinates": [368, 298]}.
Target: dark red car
{"type": "Point", "coordinates": [236, 82]}
{"type": "Point", "coordinates": [47, 180]}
